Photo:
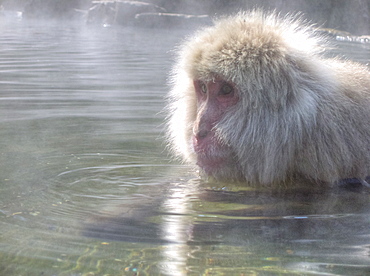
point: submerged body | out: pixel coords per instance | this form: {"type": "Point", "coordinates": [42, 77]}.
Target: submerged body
{"type": "Point", "coordinates": [254, 100]}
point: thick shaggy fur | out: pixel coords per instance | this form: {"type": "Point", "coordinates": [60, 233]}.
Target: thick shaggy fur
{"type": "Point", "coordinates": [299, 113]}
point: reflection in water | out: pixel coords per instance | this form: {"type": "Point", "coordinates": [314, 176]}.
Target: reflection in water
{"type": "Point", "coordinates": [171, 208]}
{"type": "Point", "coordinates": [177, 228]}
{"type": "Point", "coordinates": [87, 189]}
{"type": "Point", "coordinates": [291, 229]}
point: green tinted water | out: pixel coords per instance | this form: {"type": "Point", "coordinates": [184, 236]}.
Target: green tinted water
{"type": "Point", "coordinates": [87, 187]}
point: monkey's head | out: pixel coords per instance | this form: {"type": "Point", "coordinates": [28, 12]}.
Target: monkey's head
{"type": "Point", "coordinates": [241, 100]}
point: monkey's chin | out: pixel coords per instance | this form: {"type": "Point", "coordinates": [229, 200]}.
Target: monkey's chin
{"type": "Point", "coordinates": [218, 167]}
{"type": "Point", "coordinates": [210, 166]}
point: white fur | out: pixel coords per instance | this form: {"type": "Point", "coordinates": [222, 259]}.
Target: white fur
{"type": "Point", "coordinates": [299, 114]}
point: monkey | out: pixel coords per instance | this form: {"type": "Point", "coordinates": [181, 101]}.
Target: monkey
{"type": "Point", "coordinates": [253, 99]}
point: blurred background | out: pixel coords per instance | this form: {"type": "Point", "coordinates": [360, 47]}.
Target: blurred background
{"type": "Point", "coordinates": [351, 16]}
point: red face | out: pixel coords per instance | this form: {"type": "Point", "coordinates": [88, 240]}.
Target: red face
{"type": "Point", "coordinates": [214, 98]}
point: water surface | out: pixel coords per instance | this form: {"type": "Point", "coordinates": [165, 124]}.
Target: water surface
{"type": "Point", "coordinates": [87, 187]}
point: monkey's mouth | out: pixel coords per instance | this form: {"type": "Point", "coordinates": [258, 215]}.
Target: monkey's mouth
{"type": "Point", "coordinates": [211, 156]}
{"type": "Point", "coordinates": [212, 159]}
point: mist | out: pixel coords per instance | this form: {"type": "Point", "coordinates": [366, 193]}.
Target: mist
{"type": "Point", "coordinates": [350, 16]}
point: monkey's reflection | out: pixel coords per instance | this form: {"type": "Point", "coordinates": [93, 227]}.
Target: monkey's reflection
{"type": "Point", "coordinates": [184, 215]}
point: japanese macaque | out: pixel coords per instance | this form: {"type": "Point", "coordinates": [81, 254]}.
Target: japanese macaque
{"type": "Point", "coordinates": [254, 100]}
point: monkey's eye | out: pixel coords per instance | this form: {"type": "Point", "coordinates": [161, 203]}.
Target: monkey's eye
{"type": "Point", "coordinates": [203, 87]}
{"type": "Point", "coordinates": [226, 89]}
